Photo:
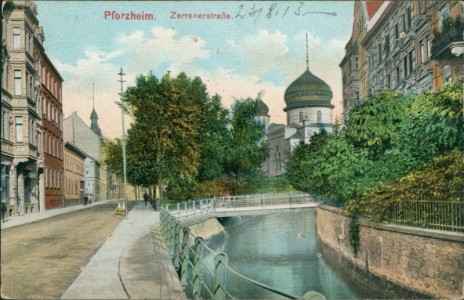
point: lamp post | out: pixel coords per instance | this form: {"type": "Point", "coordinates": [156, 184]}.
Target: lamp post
{"type": "Point", "coordinates": [123, 146]}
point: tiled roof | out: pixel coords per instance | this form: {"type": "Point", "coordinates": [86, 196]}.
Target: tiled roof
{"type": "Point", "coordinates": [372, 7]}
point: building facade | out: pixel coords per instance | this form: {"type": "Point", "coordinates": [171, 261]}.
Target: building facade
{"type": "Point", "coordinates": [405, 46]}
{"type": "Point", "coordinates": [21, 160]}
{"type": "Point", "coordinates": [76, 132]}
{"type": "Point", "coordinates": [74, 174]}
{"type": "Point", "coordinates": [52, 136]}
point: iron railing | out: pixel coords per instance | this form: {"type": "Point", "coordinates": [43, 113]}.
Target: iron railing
{"type": "Point", "coordinates": [439, 215]}
{"type": "Point", "coordinates": [236, 203]}
{"type": "Point", "coordinates": [203, 278]}
{"type": "Point", "coordinates": [443, 40]}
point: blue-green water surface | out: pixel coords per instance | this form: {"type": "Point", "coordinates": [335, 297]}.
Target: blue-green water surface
{"type": "Point", "coordinates": [281, 250]}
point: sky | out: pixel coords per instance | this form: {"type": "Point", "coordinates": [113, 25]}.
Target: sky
{"type": "Point", "coordinates": [260, 48]}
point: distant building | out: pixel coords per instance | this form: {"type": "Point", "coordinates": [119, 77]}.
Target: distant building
{"type": "Point", "coordinates": [79, 134]}
{"type": "Point", "coordinates": [74, 174]}
{"type": "Point", "coordinates": [309, 110]}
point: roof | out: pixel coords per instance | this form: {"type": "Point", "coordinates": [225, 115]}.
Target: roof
{"type": "Point", "coordinates": [308, 90]}
{"type": "Point", "coordinates": [75, 149]}
{"type": "Point", "coordinates": [261, 108]}
{"type": "Point", "coordinates": [372, 7]}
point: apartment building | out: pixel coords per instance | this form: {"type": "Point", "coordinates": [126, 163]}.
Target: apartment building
{"type": "Point", "coordinates": [406, 46]}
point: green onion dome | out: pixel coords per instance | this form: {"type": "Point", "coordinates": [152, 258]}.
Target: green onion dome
{"type": "Point", "coordinates": [308, 90]}
{"type": "Point", "coordinates": [261, 109]}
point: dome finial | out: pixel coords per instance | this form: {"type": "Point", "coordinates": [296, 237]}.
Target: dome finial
{"type": "Point", "coordinates": [307, 53]}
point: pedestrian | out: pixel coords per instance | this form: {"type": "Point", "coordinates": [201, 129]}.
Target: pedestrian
{"type": "Point", "coordinates": [145, 198]}
{"type": "Point", "coordinates": [86, 199]}
{"type": "Point", "coordinates": [3, 211]}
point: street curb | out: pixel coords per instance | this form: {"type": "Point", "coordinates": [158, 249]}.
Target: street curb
{"type": "Point", "coordinates": [33, 218]}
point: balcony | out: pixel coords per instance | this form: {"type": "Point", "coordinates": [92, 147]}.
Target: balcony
{"type": "Point", "coordinates": [449, 43]}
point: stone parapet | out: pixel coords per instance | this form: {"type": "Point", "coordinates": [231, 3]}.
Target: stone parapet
{"type": "Point", "coordinates": [425, 261]}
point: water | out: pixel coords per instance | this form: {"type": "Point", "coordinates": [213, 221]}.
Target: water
{"type": "Point", "coordinates": [281, 250]}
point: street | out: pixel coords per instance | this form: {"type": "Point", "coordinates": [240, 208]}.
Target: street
{"type": "Point", "coordinates": [40, 260]}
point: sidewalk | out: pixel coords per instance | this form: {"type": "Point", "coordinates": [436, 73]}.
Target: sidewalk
{"type": "Point", "coordinates": [133, 263]}
{"type": "Point", "coordinates": [34, 217]}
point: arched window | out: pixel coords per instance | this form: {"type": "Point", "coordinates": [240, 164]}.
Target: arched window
{"type": "Point", "coordinates": [319, 116]}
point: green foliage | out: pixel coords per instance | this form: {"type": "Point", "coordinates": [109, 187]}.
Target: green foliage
{"type": "Point", "coordinates": [441, 179]}
{"type": "Point", "coordinates": [375, 122]}
{"type": "Point", "coordinates": [185, 141]}
{"type": "Point", "coordinates": [331, 168]}
{"type": "Point", "coordinates": [387, 148]}
{"type": "Point", "coordinates": [113, 155]}
{"type": "Point", "coordinates": [353, 231]}
{"type": "Point", "coordinates": [164, 143]}
{"type": "Point", "coordinates": [246, 147]}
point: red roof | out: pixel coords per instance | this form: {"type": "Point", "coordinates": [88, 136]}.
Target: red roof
{"type": "Point", "coordinates": [372, 7]}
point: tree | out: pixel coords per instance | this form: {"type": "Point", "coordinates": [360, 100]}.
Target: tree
{"type": "Point", "coordinates": [113, 157]}
{"type": "Point", "coordinates": [164, 142]}
{"type": "Point", "coordinates": [373, 123]}
{"type": "Point", "coordinates": [246, 147]}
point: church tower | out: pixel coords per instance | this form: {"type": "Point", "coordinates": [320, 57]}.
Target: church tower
{"type": "Point", "coordinates": [308, 101]}
{"type": "Point", "coordinates": [262, 113]}
{"type": "Point", "coordinates": [94, 117]}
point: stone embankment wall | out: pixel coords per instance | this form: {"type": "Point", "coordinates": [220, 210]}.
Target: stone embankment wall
{"type": "Point", "coordinates": [207, 228]}
{"type": "Point", "coordinates": [425, 261]}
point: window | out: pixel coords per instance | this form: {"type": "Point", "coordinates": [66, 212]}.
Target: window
{"type": "Point", "coordinates": [19, 129]}
{"type": "Point", "coordinates": [422, 52]}
{"type": "Point", "coordinates": [6, 125]}
{"type": "Point", "coordinates": [17, 81]}
{"type": "Point", "coordinates": [319, 116]}
{"type": "Point", "coordinates": [5, 183]}
{"type": "Point", "coordinates": [31, 138]}
{"type": "Point", "coordinates": [404, 22]}
{"type": "Point", "coordinates": [411, 61]}
{"type": "Point", "coordinates": [397, 33]}
{"type": "Point", "coordinates": [429, 47]}
{"type": "Point", "coordinates": [443, 14]}
{"type": "Point", "coordinates": [356, 63]}
{"type": "Point", "coordinates": [380, 52]}
{"type": "Point", "coordinates": [301, 116]}
{"type": "Point", "coordinates": [31, 87]}
{"type": "Point", "coordinates": [447, 74]}
{"type": "Point", "coordinates": [405, 66]}
{"type": "Point", "coordinates": [388, 81]}
{"type": "Point", "coordinates": [16, 38]}
{"type": "Point", "coordinates": [409, 17]}
{"type": "Point", "coordinates": [397, 76]}
{"type": "Point", "coordinates": [387, 44]}
{"type": "Point", "coordinates": [7, 77]}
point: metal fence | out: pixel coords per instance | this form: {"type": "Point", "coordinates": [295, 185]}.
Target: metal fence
{"type": "Point", "coordinates": [440, 215]}
{"type": "Point", "coordinates": [197, 207]}
{"type": "Point", "coordinates": [190, 260]}
{"type": "Point", "coordinates": [204, 272]}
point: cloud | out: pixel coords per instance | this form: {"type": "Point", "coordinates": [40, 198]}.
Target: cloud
{"type": "Point", "coordinates": [162, 46]}
{"type": "Point", "coordinates": [263, 55]}
{"type": "Point", "coordinates": [94, 67]}
{"type": "Point", "coordinates": [232, 87]}
{"type": "Point", "coordinates": [262, 52]}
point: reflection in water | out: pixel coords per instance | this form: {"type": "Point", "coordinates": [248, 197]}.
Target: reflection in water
{"type": "Point", "coordinates": [281, 250]}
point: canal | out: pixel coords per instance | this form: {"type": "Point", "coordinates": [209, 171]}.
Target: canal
{"type": "Point", "coordinates": [281, 250]}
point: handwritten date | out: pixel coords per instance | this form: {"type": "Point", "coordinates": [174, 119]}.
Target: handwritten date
{"type": "Point", "coordinates": [275, 11]}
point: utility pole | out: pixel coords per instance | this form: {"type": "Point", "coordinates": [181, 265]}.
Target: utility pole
{"type": "Point", "coordinates": [123, 145]}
